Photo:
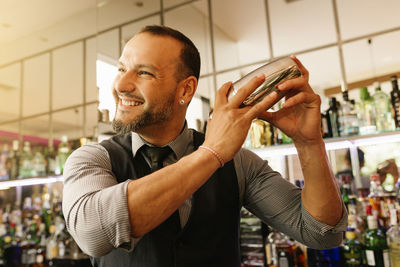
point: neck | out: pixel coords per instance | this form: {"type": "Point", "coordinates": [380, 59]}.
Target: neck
{"type": "Point", "coordinates": [160, 135]}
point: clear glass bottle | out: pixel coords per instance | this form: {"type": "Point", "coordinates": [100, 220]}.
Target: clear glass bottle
{"type": "Point", "coordinates": [38, 163]}
{"type": "Point", "coordinates": [395, 97]}
{"type": "Point", "coordinates": [15, 160]}
{"type": "Point", "coordinates": [4, 159]}
{"type": "Point", "coordinates": [383, 110]}
{"type": "Point", "coordinates": [25, 166]}
{"type": "Point", "coordinates": [348, 117]}
{"type": "Point", "coordinates": [393, 239]}
{"type": "Point", "coordinates": [64, 150]}
{"type": "Point", "coordinates": [50, 156]}
{"type": "Point", "coordinates": [366, 113]}
{"type": "Point", "coordinates": [376, 249]}
{"type": "Point", "coordinates": [52, 244]}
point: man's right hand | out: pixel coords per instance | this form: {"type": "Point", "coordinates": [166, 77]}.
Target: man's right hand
{"type": "Point", "coordinates": [228, 128]}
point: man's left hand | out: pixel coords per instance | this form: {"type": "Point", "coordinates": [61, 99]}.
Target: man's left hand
{"type": "Point", "coordinates": [300, 116]}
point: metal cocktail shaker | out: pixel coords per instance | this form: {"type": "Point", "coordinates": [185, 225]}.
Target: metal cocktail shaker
{"type": "Point", "coordinates": [275, 72]}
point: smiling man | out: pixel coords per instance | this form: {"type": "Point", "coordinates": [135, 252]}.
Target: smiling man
{"type": "Point", "coordinates": [160, 194]}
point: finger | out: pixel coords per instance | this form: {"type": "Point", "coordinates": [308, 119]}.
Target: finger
{"type": "Point", "coordinates": [263, 105]}
{"type": "Point", "coordinates": [303, 70]}
{"type": "Point", "coordinates": [302, 97]}
{"type": "Point", "coordinates": [247, 89]}
{"type": "Point", "coordinates": [295, 83]}
{"type": "Point", "coordinates": [221, 95]}
{"type": "Point", "coordinates": [267, 116]}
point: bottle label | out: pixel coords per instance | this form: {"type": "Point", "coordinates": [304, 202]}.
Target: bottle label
{"type": "Point", "coordinates": [386, 258]}
{"type": "Point", "coordinates": [370, 257]}
{"type": "Point", "coordinates": [283, 262]}
{"type": "Point", "coordinates": [39, 258]}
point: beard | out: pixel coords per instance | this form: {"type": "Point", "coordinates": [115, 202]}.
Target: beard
{"type": "Point", "coordinates": [147, 118]}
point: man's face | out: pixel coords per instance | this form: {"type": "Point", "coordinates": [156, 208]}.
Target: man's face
{"type": "Point", "coordinates": [145, 86]}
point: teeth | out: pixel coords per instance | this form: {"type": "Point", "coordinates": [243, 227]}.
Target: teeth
{"type": "Point", "coordinates": [130, 103]}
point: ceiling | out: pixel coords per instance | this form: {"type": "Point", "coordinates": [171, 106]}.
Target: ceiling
{"type": "Point", "coordinates": [23, 17]}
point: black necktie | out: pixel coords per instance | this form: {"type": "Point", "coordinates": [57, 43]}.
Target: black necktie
{"type": "Point", "coordinates": [157, 155]}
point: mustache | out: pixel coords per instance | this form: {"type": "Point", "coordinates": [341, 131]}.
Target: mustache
{"type": "Point", "coordinates": [128, 95]}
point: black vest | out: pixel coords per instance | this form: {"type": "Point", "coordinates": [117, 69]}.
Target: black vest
{"type": "Point", "coordinates": [209, 238]}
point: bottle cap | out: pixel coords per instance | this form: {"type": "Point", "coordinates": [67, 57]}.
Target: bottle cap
{"type": "Point", "coordinates": [377, 86]}
{"type": "Point", "coordinates": [364, 94]}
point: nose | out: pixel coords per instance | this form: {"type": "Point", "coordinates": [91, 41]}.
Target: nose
{"type": "Point", "coordinates": [124, 82]}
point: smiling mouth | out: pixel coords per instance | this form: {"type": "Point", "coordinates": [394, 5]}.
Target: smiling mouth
{"type": "Point", "coordinates": [131, 103]}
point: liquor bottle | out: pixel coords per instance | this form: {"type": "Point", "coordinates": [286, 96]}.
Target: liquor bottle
{"type": "Point", "coordinates": [47, 213]}
{"type": "Point", "coordinates": [332, 114]}
{"type": "Point", "coordinates": [325, 257]}
{"type": "Point", "coordinates": [15, 158]}
{"type": "Point", "coordinates": [38, 163]}
{"type": "Point", "coordinates": [376, 249]}
{"type": "Point", "coordinates": [366, 113]}
{"type": "Point", "coordinates": [324, 126]}
{"type": "Point", "coordinates": [346, 192]}
{"type": "Point", "coordinates": [4, 159]}
{"type": "Point", "coordinates": [270, 249]}
{"type": "Point", "coordinates": [383, 110]}
{"type": "Point", "coordinates": [393, 239]}
{"type": "Point", "coordinates": [299, 251]}
{"type": "Point", "coordinates": [352, 250]}
{"type": "Point", "coordinates": [395, 97]}
{"type": "Point", "coordinates": [25, 166]}
{"type": "Point", "coordinates": [279, 250]}
{"type": "Point", "coordinates": [51, 163]}
{"type": "Point", "coordinates": [51, 244]}
{"type": "Point", "coordinates": [348, 117]}
{"type": "Point", "coordinates": [41, 251]}
{"type": "Point", "coordinates": [64, 150]}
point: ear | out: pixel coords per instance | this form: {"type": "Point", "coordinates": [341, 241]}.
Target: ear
{"type": "Point", "coordinates": [187, 89]}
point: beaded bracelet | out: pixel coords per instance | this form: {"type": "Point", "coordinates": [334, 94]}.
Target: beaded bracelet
{"type": "Point", "coordinates": [220, 160]}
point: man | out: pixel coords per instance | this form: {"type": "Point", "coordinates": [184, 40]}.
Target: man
{"type": "Point", "coordinates": [121, 220]}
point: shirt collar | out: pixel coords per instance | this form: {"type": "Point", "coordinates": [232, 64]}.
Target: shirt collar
{"type": "Point", "coordinates": [178, 145]}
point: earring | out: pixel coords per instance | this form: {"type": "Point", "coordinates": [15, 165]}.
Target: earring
{"type": "Point", "coordinates": [181, 101]}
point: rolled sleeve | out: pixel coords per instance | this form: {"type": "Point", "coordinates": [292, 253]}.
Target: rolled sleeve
{"type": "Point", "coordinates": [94, 204]}
{"type": "Point", "coordinates": [277, 202]}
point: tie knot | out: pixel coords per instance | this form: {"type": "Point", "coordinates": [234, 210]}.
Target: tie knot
{"type": "Point", "coordinates": [156, 156]}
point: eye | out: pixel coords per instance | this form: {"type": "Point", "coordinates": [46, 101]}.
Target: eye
{"type": "Point", "coordinates": [142, 72]}
{"type": "Point", "coordinates": [121, 69]}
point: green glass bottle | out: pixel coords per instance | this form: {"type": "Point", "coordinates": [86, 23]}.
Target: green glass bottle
{"type": "Point", "coordinates": [376, 249]}
{"type": "Point", "coordinates": [393, 238]}
{"type": "Point", "coordinates": [64, 150]}
{"type": "Point", "coordinates": [366, 113]}
{"type": "Point", "coordinates": [352, 250]}
{"type": "Point", "coordinates": [25, 165]}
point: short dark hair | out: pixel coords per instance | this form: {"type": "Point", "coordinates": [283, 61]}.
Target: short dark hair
{"type": "Point", "coordinates": [190, 56]}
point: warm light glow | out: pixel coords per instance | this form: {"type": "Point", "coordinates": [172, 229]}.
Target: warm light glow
{"type": "Point", "coordinates": [272, 151]}
{"type": "Point", "coordinates": [106, 73]}
{"type": "Point", "coordinates": [331, 144]}
{"type": "Point", "coordinates": [377, 140]}
{"type": "Point", "coordinates": [30, 181]}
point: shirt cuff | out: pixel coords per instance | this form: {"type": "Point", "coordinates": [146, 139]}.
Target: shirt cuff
{"type": "Point", "coordinates": [323, 228]}
{"type": "Point", "coordinates": [114, 214]}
